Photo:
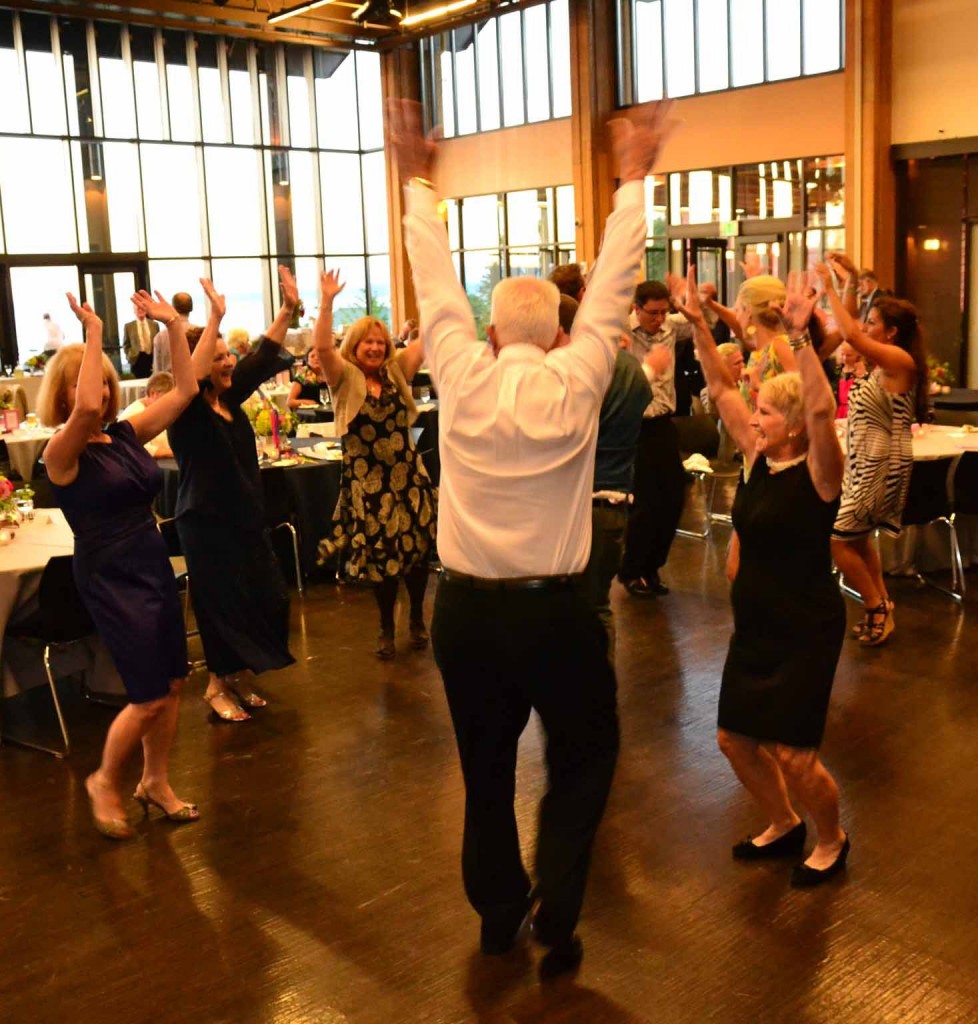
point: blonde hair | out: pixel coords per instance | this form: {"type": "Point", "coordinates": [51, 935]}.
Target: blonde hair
{"type": "Point", "coordinates": [236, 335]}
{"type": "Point", "coordinates": [357, 331]}
{"type": "Point", "coordinates": [525, 309]}
{"type": "Point", "coordinates": [758, 293]}
{"type": "Point", "coordinates": [784, 392]}
{"type": "Point", "coordinates": [727, 349]}
{"type": "Point", "coordinates": [61, 371]}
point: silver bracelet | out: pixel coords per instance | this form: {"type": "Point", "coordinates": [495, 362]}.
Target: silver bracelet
{"type": "Point", "coordinates": [800, 342]}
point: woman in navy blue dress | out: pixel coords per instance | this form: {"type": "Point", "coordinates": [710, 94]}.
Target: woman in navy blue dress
{"type": "Point", "coordinates": [105, 481]}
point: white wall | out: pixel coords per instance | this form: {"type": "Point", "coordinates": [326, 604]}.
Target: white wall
{"type": "Point", "coordinates": [935, 69]}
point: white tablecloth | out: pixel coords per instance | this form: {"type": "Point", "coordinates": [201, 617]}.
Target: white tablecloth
{"type": "Point", "coordinates": [130, 390]}
{"type": "Point", "coordinates": [21, 563]}
{"type": "Point", "coordinates": [24, 446]}
{"type": "Point", "coordinates": [31, 385]}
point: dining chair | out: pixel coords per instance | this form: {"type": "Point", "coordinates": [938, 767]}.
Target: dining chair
{"type": "Point", "coordinates": [929, 501]}
{"type": "Point", "coordinates": [59, 621]}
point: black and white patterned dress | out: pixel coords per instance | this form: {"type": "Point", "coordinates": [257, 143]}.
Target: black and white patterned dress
{"type": "Point", "coordinates": [879, 459]}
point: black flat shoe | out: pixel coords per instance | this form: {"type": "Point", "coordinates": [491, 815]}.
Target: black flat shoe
{"type": "Point", "coordinates": [788, 845]}
{"type": "Point", "coordinates": [643, 587]}
{"type": "Point", "coordinates": [564, 958]}
{"type": "Point", "coordinates": [804, 877]}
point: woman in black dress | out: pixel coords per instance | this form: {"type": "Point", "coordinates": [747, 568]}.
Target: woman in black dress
{"type": "Point", "coordinates": [308, 383]}
{"type": "Point", "coordinates": [105, 482]}
{"type": "Point", "coordinates": [777, 680]}
{"type": "Point", "coordinates": [385, 516]}
{"type": "Point", "coordinates": [239, 595]}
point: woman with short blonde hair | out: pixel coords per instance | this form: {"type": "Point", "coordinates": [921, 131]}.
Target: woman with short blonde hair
{"type": "Point", "coordinates": [60, 374]}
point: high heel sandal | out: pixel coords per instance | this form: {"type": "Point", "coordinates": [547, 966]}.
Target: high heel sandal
{"type": "Point", "coordinates": [111, 828]}
{"type": "Point", "coordinates": [186, 813]}
{"type": "Point", "coordinates": [879, 625]}
{"type": "Point", "coordinates": [860, 627]}
{"type": "Point", "coordinates": [246, 698]}
{"type": "Point", "coordinates": [231, 712]}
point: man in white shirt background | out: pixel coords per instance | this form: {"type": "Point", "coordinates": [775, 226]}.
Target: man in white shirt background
{"type": "Point", "coordinates": [138, 337]}
{"type": "Point", "coordinates": [54, 337]}
{"type": "Point", "coordinates": [184, 305]}
{"type": "Point", "coordinates": [512, 632]}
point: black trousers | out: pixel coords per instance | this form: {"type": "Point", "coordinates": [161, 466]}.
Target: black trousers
{"type": "Point", "coordinates": [501, 655]}
{"type": "Point", "coordinates": [660, 489]}
{"type": "Point", "coordinates": [143, 366]}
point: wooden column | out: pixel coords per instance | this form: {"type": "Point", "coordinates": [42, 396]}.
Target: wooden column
{"type": "Point", "coordinates": [870, 181]}
{"type": "Point", "coordinates": [592, 56]}
{"type": "Point", "coordinates": [400, 78]}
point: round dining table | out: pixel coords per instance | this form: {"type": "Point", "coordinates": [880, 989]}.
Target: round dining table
{"type": "Point", "coordinates": [24, 448]}
{"type": "Point", "coordinates": [302, 489]}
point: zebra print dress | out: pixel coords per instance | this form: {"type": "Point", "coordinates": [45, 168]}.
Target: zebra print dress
{"type": "Point", "coordinates": [879, 459]}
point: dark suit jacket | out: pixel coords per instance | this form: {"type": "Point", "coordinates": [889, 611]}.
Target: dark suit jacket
{"type": "Point", "coordinates": [131, 336]}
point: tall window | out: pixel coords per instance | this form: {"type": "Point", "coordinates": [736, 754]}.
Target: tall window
{"type": "Point", "coordinates": [510, 70]}
{"type": "Point", "coordinates": [682, 47]}
{"type": "Point", "coordinates": [503, 235]}
{"type": "Point", "coordinates": [204, 156]}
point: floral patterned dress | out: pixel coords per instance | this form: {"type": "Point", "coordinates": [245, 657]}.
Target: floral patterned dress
{"type": "Point", "coordinates": [385, 516]}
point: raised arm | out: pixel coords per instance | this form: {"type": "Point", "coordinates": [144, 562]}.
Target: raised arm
{"type": "Point", "coordinates": [275, 332]}
{"type": "Point", "coordinates": [63, 450]}
{"type": "Point", "coordinates": [729, 317]}
{"type": "Point", "coordinates": [897, 365]}
{"type": "Point", "coordinates": [447, 325]}
{"type": "Point", "coordinates": [410, 359]}
{"type": "Point", "coordinates": [322, 337]}
{"type": "Point", "coordinates": [635, 143]}
{"type": "Point", "coordinates": [825, 459]}
{"type": "Point", "coordinates": [846, 271]}
{"type": "Point", "coordinates": [155, 419]}
{"type": "Point", "coordinates": [203, 355]}
{"type": "Point", "coordinates": [724, 394]}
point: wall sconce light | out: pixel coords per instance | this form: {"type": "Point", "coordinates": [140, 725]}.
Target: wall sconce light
{"type": "Point", "coordinates": [931, 245]}
{"type": "Point", "coordinates": [92, 168]}
{"type": "Point", "coordinates": [280, 169]}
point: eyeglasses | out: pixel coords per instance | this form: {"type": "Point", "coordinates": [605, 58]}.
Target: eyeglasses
{"type": "Point", "coordinates": [653, 312]}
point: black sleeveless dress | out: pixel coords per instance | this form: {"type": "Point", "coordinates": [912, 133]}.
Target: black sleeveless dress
{"type": "Point", "coordinates": [789, 616]}
{"type": "Point", "coordinates": [121, 564]}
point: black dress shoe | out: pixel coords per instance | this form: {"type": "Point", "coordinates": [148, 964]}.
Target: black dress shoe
{"type": "Point", "coordinates": [563, 958]}
{"type": "Point", "coordinates": [499, 934]}
{"type": "Point", "coordinates": [788, 845]}
{"type": "Point", "coordinates": [647, 587]}
{"type": "Point", "coordinates": [564, 952]}
{"type": "Point", "coordinates": [804, 877]}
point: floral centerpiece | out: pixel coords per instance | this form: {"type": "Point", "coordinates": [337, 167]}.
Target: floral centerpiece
{"type": "Point", "coordinates": [9, 516]}
{"type": "Point", "coordinates": [267, 419]}
{"type": "Point", "coordinates": [939, 376]}
{"type": "Point", "coordinates": [6, 399]}
{"type": "Point", "coordinates": [36, 363]}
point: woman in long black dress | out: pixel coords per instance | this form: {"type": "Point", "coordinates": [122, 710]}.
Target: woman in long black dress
{"type": "Point", "coordinates": [239, 595]}
{"type": "Point", "coordinates": [105, 482]}
{"type": "Point", "coordinates": [385, 516]}
{"type": "Point", "coordinates": [777, 680]}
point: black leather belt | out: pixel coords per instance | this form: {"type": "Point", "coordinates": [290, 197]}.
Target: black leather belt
{"type": "Point", "coordinates": [461, 579]}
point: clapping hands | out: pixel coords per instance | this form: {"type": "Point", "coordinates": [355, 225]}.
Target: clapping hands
{"type": "Point", "coordinates": [290, 290]}
{"type": "Point", "coordinates": [155, 309]}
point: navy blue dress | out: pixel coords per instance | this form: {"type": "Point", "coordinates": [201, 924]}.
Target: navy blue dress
{"type": "Point", "coordinates": [121, 565]}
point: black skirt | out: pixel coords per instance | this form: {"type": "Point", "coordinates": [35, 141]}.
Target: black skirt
{"type": "Point", "coordinates": [239, 595]}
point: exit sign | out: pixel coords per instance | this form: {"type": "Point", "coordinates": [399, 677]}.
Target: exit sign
{"type": "Point", "coordinates": [729, 228]}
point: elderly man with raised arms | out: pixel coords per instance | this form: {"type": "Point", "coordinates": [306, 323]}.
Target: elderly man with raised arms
{"type": "Point", "coordinates": [511, 631]}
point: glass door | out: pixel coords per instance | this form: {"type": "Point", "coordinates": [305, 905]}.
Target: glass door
{"type": "Point", "coordinates": [766, 254]}
{"type": "Point", "coordinates": [709, 256]}
{"type": "Point", "coordinates": [110, 294]}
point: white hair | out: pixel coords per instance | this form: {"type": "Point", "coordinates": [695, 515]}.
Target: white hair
{"type": "Point", "coordinates": [525, 309]}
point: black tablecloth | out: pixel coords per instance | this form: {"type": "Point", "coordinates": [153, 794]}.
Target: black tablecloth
{"type": "Point", "coordinates": [304, 494]}
{"type": "Point", "coordinates": [959, 400]}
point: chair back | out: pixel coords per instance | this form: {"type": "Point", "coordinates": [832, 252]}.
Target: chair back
{"type": "Point", "coordinates": [966, 485]}
{"type": "Point", "coordinates": [63, 615]}
{"type": "Point", "coordinates": [928, 497]}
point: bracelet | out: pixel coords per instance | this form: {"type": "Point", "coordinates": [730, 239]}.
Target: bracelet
{"type": "Point", "coordinates": [424, 181]}
{"type": "Point", "coordinates": [800, 342]}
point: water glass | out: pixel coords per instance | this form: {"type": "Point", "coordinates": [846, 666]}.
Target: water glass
{"type": "Point", "coordinates": [31, 421]}
{"type": "Point", "coordinates": [25, 506]}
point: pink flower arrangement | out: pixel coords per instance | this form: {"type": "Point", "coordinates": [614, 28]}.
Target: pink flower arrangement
{"type": "Point", "coordinates": [6, 488]}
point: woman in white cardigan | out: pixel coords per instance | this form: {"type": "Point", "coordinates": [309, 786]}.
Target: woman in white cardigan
{"type": "Point", "coordinates": [385, 517]}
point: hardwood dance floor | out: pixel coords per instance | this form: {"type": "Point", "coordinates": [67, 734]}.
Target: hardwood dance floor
{"type": "Point", "coordinates": [322, 884]}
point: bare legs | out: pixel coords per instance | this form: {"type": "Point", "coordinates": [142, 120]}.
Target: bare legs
{"type": "Point", "coordinates": [151, 725]}
{"type": "Point", "coordinates": [768, 771]}
{"type": "Point", "coordinates": [859, 562]}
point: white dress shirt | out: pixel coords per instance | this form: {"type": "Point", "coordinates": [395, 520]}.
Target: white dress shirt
{"type": "Point", "coordinates": [518, 432]}
{"type": "Point", "coordinates": [162, 363]}
{"type": "Point", "coordinates": [159, 447]}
